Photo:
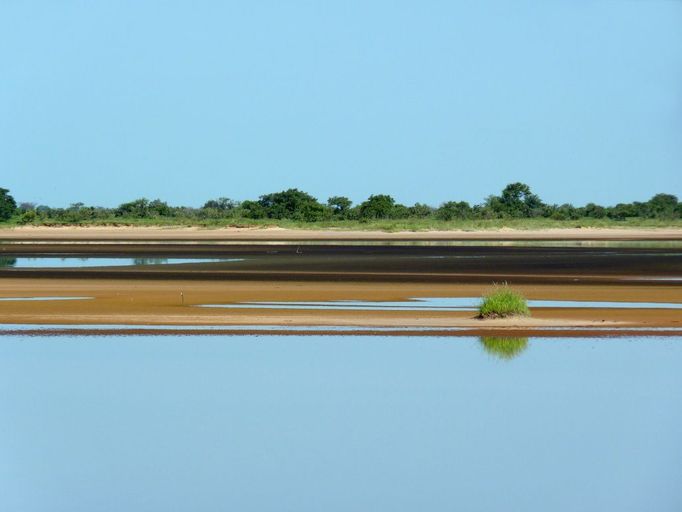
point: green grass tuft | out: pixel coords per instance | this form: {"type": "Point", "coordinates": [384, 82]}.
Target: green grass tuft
{"type": "Point", "coordinates": [503, 302]}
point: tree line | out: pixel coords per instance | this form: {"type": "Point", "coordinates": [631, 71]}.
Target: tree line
{"type": "Point", "coordinates": [516, 201]}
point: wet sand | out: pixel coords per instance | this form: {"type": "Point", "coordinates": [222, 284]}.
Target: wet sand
{"type": "Point", "coordinates": [168, 294]}
{"type": "Point", "coordinates": [159, 302]}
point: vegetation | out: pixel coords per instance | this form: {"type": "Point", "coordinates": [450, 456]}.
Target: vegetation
{"type": "Point", "coordinates": [516, 206]}
{"type": "Point", "coordinates": [502, 347]}
{"type": "Point", "coordinates": [7, 205]}
{"type": "Point", "coordinates": [503, 302]}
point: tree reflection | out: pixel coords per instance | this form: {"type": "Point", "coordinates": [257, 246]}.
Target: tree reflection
{"type": "Point", "coordinates": [7, 262]}
{"type": "Point", "coordinates": [149, 261]}
{"type": "Point", "coordinates": [504, 347]}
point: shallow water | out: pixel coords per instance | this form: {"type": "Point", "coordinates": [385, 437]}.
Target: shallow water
{"type": "Point", "coordinates": [340, 423]}
{"type": "Point", "coordinates": [440, 304]}
{"type": "Point", "coordinates": [31, 299]}
{"type": "Point", "coordinates": [57, 328]}
{"type": "Point", "coordinates": [79, 262]}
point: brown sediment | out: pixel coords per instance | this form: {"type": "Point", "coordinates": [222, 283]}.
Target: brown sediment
{"type": "Point", "coordinates": [167, 295]}
{"type": "Point", "coordinates": [157, 302]}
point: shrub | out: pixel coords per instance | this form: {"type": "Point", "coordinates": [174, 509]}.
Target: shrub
{"type": "Point", "coordinates": [292, 204]}
{"type": "Point", "coordinates": [503, 302]}
{"type": "Point", "coordinates": [378, 206]}
{"type": "Point", "coordinates": [454, 210]}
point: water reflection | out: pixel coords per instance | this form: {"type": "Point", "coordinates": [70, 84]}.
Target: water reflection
{"type": "Point", "coordinates": [504, 347]}
{"type": "Point", "coordinates": [84, 262]}
{"type": "Point", "coordinates": [150, 261]}
{"type": "Point", "coordinates": [357, 423]}
{"type": "Point", "coordinates": [437, 304]}
{"type": "Point", "coordinates": [7, 262]}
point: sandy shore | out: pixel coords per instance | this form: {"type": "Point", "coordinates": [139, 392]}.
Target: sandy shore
{"type": "Point", "coordinates": [265, 234]}
{"type": "Point", "coordinates": [160, 303]}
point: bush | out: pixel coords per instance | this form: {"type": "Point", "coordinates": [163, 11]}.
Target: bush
{"type": "Point", "coordinates": [454, 210]}
{"type": "Point", "coordinates": [292, 204]}
{"type": "Point", "coordinates": [503, 302]}
{"type": "Point", "coordinates": [28, 217]}
{"type": "Point", "coordinates": [378, 206]}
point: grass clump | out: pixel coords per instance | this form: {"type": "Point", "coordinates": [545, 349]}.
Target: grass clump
{"type": "Point", "coordinates": [503, 302]}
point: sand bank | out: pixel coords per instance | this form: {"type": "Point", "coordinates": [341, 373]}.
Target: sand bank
{"type": "Point", "coordinates": [265, 234]}
{"type": "Point", "coordinates": [161, 302]}
{"type": "Point", "coordinates": [169, 294]}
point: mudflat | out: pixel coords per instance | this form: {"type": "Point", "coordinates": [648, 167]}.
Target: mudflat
{"type": "Point", "coordinates": [158, 294]}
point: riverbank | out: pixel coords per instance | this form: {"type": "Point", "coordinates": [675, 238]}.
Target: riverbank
{"type": "Point", "coordinates": [157, 233]}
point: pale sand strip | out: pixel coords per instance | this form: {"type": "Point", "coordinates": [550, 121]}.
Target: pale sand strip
{"type": "Point", "coordinates": [264, 234]}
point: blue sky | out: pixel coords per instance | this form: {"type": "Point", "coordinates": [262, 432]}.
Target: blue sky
{"type": "Point", "coordinates": [103, 102]}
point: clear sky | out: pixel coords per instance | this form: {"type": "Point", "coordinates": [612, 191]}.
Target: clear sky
{"type": "Point", "coordinates": [107, 101]}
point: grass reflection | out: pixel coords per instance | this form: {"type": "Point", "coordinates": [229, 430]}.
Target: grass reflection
{"type": "Point", "coordinates": [504, 347]}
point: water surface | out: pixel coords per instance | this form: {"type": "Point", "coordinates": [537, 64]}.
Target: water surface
{"type": "Point", "coordinates": [272, 423]}
{"type": "Point", "coordinates": [439, 304]}
{"type": "Point", "coordinates": [84, 262]}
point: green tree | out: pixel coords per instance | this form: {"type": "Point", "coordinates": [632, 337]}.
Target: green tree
{"type": "Point", "coordinates": [624, 210]}
{"type": "Point", "coordinates": [143, 208]}
{"type": "Point", "coordinates": [160, 208]}
{"type": "Point", "coordinates": [662, 206]}
{"type": "Point", "coordinates": [253, 210]}
{"type": "Point", "coordinates": [564, 212]}
{"type": "Point", "coordinates": [8, 205]}
{"type": "Point", "coordinates": [139, 208]}
{"type": "Point", "coordinates": [519, 200]}
{"type": "Point", "coordinates": [454, 210]}
{"type": "Point", "coordinates": [420, 210]}
{"type": "Point", "coordinates": [594, 211]}
{"type": "Point", "coordinates": [222, 203]}
{"type": "Point", "coordinates": [339, 205]}
{"type": "Point", "coordinates": [292, 204]}
{"type": "Point", "coordinates": [377, 207]}
{"type": "Point", "coordinates": [516, 200]}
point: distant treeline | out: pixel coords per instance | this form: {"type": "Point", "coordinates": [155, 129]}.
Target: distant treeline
{"type": "Point", "coordinates": [516, 201]}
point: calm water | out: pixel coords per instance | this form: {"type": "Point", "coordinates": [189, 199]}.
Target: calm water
{"type": "Point", "coordinates": [313, 423]}
{"type": "Point", "coordinates": [439, 304]}
{"type": "Point", "coordinates": [76, 262]}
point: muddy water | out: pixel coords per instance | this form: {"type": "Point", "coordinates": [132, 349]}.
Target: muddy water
{"type": "Point", "coordinates": [385, 263]}
{"type": "Point", "coordinates": [340, 423]}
